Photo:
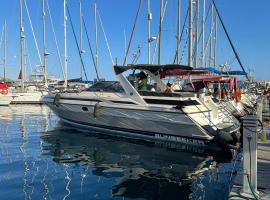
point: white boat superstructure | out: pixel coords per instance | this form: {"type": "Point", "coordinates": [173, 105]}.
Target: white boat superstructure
{"type": "Point", "coordinates": [28, 97]}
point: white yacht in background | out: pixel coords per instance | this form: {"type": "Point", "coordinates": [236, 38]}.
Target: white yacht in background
{"type": "Point", "coordinates": [117, 108]}
{"type": "Point", "coordinates": [29, 91]}
{"type": "Point", "coordinates": [34, 97]}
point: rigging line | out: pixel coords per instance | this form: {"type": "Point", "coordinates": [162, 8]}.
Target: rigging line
{"type": "Point", "coordinates": [183, 52]}
{"type": "Point", "coordinates": [209, 37]}
{"type": "Point", "coordinates": [34, 35]}
{"type": "Point", "coordinates": [133, 30]}
{"type": "Point", "coordinates": [28, 58]}
{"type": "Point", "coordinates": [230, 41]}
{"type": "Point", "coordinates": [185, 21]}
{"type": "Point", "coordinates": [90, 47]}
{"type": "Point", "coordinates": [208, 41]}
{"type": "Point", "coordinates": [105, 36]}
{"type": "Point", "coordinates": [155, 50]}
{"type": "Point", "coordinates": [77, 44]}
{"type": "Point", "coordinates": [193, 19]}
{"type": "Point", "coordinates": [206, 17]}
{"type": "Point", "coordinates": [183, 33]}
{"type": "Point", "coordinates": [55, 40]}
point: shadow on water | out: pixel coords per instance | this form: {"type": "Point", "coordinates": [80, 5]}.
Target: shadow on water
{"type": "Point", "coordinates": [141, 169]}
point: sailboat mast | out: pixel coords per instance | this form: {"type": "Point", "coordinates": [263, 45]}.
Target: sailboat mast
{"type": "Point", "coordinates": [203, 27]}
{"type": "Point", "coordinates": [96, 34]}
{"type": "Point", "coordinates": [211, 33]}
{"type": "Point", "coordinates": [65, 44]}
{"type": "Point", "coordinates": [160, 31]}
{"type": "Point", "coordinates": [81, 35]}
{"type": "Point", "coordinates": [190, 34]}
{"type": "Point", "coordinates": [178, 32]}
{"type": "Point", "coordinates": [196, 33]}
{"type": "Point", "coordinates": [215, 40]}
{"type": "Point", "coordinates": [22, 46]}
{"type": "Point", "coordinates": [149, 15]}
{"type": "Point", "coordinates": [5, 49]}
{"type": "Point", "coordinates": [44, 44]}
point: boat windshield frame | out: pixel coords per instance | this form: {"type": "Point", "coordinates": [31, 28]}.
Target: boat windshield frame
{"type": "Point", "coordinates": [106, 86]}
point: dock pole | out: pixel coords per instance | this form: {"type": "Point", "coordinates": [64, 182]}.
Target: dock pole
{"type": "Point", "coordinates": [250, 155]}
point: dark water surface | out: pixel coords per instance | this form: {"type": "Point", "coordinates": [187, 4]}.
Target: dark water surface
{"type": "Point", "coordinates": [41, 159]}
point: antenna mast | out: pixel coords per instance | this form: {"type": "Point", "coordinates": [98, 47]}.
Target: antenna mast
{"type": "Point", "coordinates": [160, 30]}
{"type": "Point", "coordinates": [178, 32]}
{"type": "Point", "coordinates": [81, 35]}
{"type": "Point", "coordinates": [215, 40]}
{"type": "Point", "coordinates": [196, 33]}
{"type": "Point", "coordinates": [190, 34]}
{"type": "Point", "coordinates": [203, 25]}
{"type": "Point", "coordinates": [22, 40]}
{"type": "Point", "coordinates": [149, 31]}
{"type": "Point", "coordinates": [65, 44]}
{"type": "Point", "coordinates": [96, 34]}
{"type": "Point", "coordinates": [45, 54]}
{"type": "Point", "coordinates": [5, 49]}
{"type": "Point", "coordinates": [211, 33]}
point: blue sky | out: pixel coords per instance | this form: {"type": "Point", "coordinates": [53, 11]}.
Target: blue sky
{"type": "Point", "coordinates": [246, 21]}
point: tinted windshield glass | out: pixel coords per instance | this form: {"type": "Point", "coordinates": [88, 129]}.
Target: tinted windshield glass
{"type": "Point", "coordinates": [106, 86]}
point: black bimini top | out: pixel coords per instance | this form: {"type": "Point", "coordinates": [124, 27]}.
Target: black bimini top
{"type": "Point", "coordinates": [155, 69]}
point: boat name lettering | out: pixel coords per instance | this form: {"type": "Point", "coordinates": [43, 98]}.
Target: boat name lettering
{"type": "Point", "coordinates": [179, 139]}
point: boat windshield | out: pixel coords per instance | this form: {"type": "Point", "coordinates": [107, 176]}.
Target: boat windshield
{"type": "Point", "coordinates": [106, 86]}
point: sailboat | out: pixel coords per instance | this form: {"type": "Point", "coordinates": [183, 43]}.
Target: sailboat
{"type": "Point", "coordinates": [5, 96]}
{"type": "Point", "coordinates": [30, 92]}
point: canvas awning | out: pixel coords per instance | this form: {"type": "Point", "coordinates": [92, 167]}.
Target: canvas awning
{"type": "Point", "coordinates": [180, 72]}
{"type": "Point", "coordinates": [155, 69]}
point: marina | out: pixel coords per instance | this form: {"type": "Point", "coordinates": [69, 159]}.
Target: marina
{"type": "Point", "coordinates": [41, 159]}
{"type": "Point", "coordinates": [181, 112]}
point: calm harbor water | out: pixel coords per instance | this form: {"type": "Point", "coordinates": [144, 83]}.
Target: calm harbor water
{"type": "Point", "coordinates": [42, 159]}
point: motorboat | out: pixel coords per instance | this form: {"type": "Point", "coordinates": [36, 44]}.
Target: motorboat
{"type": "Point", "coordinates": [120, 109]}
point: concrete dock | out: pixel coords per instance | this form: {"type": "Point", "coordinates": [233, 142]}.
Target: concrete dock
{"type": "Point", "coordinates": [263, 173]}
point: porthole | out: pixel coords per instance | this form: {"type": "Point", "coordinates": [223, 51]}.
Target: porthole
{"type": "Point", "coordinates": [84, 108]}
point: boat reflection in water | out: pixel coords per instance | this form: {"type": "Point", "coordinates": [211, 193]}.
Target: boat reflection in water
{"type": "Point", "coordinates": [138, 170]}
